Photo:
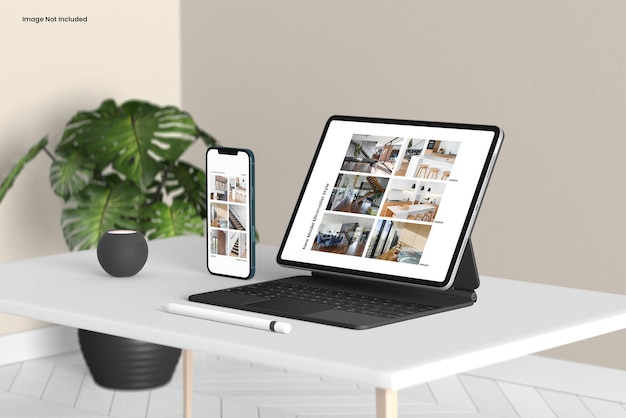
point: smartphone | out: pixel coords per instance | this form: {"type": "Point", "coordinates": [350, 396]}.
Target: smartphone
{"type": "Point", "coordinates": [230, 212]}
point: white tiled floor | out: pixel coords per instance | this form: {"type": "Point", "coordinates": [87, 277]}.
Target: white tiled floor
{"type": "Point", "coordinates": [534, 387]}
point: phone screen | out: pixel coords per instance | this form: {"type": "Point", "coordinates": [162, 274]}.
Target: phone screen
{"type": "Point", "coordinates": [230, 212]}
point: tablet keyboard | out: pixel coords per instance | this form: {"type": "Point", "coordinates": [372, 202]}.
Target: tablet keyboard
{"type": "Point", "coordinates": [343, 301]}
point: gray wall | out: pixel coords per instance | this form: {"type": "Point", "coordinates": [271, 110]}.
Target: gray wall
{"type": "Point", "coordinates": [266, 75]}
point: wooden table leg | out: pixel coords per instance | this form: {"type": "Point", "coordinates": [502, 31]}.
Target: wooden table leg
{"type": "Point", "coordinates": [187, 382]}
{"type": "Point", "coordinates": [386, 403]}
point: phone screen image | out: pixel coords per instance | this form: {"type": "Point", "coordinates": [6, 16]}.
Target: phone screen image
{"type": "Point", "coordinates": [230, 212]}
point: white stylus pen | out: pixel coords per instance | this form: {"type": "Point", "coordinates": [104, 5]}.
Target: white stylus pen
{"type": "Point", "coordinates": [228, 318]}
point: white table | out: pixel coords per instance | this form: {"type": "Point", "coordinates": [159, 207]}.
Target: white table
{"type": "Point", "coordinates": [510, 319]}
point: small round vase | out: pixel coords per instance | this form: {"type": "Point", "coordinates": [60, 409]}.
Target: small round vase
{"type": "Point", "coordinates": [122, 252]}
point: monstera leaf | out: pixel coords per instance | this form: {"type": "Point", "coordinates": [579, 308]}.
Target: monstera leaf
{"type": "Point", "coordinates": [188, 183]}
{"type": "Point", "coordinates": [162, 221]}
{"type": "Point", "coordinates": [7, 183]}
{"type": "Point", "coordinates": [70, 176]}
{"type": "Point", "coordinates": [137, 139]}
{"type": "Point", "coordinates": [99, 208]}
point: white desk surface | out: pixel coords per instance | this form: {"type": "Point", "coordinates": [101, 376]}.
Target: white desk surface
{"type": "Point", "coordinates": [510, 319]}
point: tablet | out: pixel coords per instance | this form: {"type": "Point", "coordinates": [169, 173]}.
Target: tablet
{"type": "Point", "coordinates": [393, 200]}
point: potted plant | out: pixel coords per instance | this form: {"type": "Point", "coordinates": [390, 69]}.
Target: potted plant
{"type": "Point", "coordinates": [119, 167]}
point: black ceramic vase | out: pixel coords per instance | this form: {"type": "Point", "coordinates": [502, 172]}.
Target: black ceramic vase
{"type": "Point", "coordinates": [124, 363]}
{"type": "Point", "coordinates": [118, 362]}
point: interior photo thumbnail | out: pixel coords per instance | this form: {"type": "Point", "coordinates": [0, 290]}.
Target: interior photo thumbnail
{"type": "Point", "coordinates": [413, 199]}
{"type": "Point", "coordinates": [372, 154]}
{"type": "Point", "coordinates": [237, 244]}
{"type": "Point", "coordinates": [218, 187]}
{"type": "Point", "coordinates": [219, 215]}
{"type": "Point", "coordinates": [413, 151]}
{"type": "Point", "coordinates": [429, 159]}
{"type": "Point", "coordinates": [238, 188]}
{"type": "Point", "coordinates": [237, 217]}
{"type": "Point", "coordinates": [218, 242]}
{"type": "Point", "coordinates": [401, 242]}
{"type": "Point", "coordinates": [343, 234]}
{"type": "Point", "coordinates": [356, 193]}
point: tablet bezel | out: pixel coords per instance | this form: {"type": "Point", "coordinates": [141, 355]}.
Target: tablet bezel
{"type": "Point", "coordinates": [470, 217]}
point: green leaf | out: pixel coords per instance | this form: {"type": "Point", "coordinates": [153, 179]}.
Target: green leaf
{"type": "Point", "coordinates": [137, 138]}
{"type": "Point", "coordinates": [69, 176]}
{"type": "Point", "coordinates": [188, 183]}
{"type": "Point", "coordinates": [7, 183]}
{"type": "Point", "coordinates": [208, 139]}
{"type": "Point", "coordinates": [99, 208]}
{"type": "Point", "coordinates": [162, 221]}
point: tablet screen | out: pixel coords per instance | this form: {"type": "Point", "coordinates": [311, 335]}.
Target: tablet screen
{"type": "Point", "coordinates": [391, 199]}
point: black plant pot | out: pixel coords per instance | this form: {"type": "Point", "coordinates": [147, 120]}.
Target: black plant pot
{"type": "Point", "coordinates": [124, 363]}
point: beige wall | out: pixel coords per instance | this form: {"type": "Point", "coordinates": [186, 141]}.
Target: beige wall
{"type": "Point", "coordinates": [266, 75]}
{"type": "Point", "coordinates": [126, 49]}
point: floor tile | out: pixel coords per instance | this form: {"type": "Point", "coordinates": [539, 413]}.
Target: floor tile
{"type": "Point", "coordinates": [488, 397]}
{"type": "Point", "coordinates": [7, 376]}
{"type": "Point", "coordinates": [604, 409]}
{"type": "Point", "coordinates": [450, 391]}
{"type": "Point", "coordinates": [526, 401]}
{"type": "Point", "coordinates": [565, 404]}
{"type": "Point", "coordinates": [33, 378]}
{"type": "Point", "coordinates": [130, 404]}
{"type": "Point", "coordinates": [65, 383]}
{"type": "Point", "coordinates": [94, 398]}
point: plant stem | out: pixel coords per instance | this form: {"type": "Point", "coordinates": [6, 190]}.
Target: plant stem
{"type": "Point", "coordinates": [45, 149]}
